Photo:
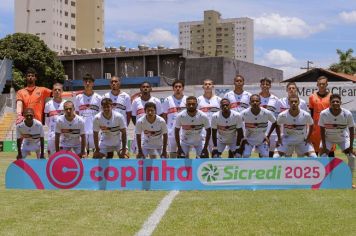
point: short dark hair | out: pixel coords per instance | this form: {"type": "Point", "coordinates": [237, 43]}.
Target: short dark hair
{"type": "Point", "coordinates": [178, 81]}
{"type": "Point", "coordinates": [28, 109]}
{"type": "Point", "coordinates": [266, 79]}
{"type": "Point", "coordinates": [68, 102]}
{"type": "Point", "coordinates": [150, 104]}
{"type": "Point", "coordinates": [146, 82]}
{"type": "Point", "coordinates": [224, 99]}
{"type": "Point", "coordinates": [105, 101]}
{"type": "Point", "coordinates": [335, 95]}
{"type": "Point", "coordinates": [239, 76]}
{"type": "Point", "coordinates": [88, 77]}
{"type": "Point", "coordinates": [192, 98]}
{"type": "Point", "coordinates": [291, 83]}
{"type": "Point", "coordinates": [322, 77]}
{"type": "Point", "coordinates": [255, 95]}
{"type": "Point", "coordinates": [293, 96]}
{"type": "Point", "coordinates": [31, 70]}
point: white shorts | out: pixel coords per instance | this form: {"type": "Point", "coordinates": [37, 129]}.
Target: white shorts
{"type": "Point", "coordinates": [272, 141]}
{"type": "Point", "coordinates": [186, 147]}
{"type": "Point", "coordinates": [172, 144]}
{"type": "Point", "coordinates": [26, 149]}
{"type": "Point", "coordinates": [300, 148]}
{"type": "Point", "coordinates": [221, 146]}
{"type": "Point", "coordinates": [90, 140]}
{"type": "Point", "coordinates": [262, 149]}
{"type": "Point", "coordinates": [151, 152]}
{"type": "Point", "coordinates": [51, 147]}
{"type": "Point", "coordinates": [76, 150]}
{"type": "Point", "coordinates": [343, 145]}
{"type": "Point", "coordinates": [106, 149]}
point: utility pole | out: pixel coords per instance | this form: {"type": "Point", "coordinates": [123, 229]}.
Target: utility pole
{"type": "Point", "coordinates": [308, 66]}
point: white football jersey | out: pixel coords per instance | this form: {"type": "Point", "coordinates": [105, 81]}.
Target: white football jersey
{"type": "Point", "coordinates": [151, 133]}
{"type": "Point", "coordinates": [284, 104]}
{"type": "Point", "coordinates": [227, 126]}
{"type": "Point", "coordinates": [138, 106]}
{"type": "Point", "coordinates": [52, 111]}
{"type": "Point", "coordinates": [209, 106]}
{"type": "Point", "coordinates": [172, 107]}
{"type": "Point", "coordinates": [70, 130]}
{"type": "Point", "coordinates": [87, 107]}
{"type": "Point", "coordinates": [271, 103]}
{"type": "Point", "coordinates": [121, 103]}
{"type": "Point", "coordinates": [31, 135]}
{"type": "Point", "coordinates": [192, 127]}
{"type": "Point", "coordinates": [256, 126]}
{"type": "Point", "coordinates": [336, 127]}
{"type": "Point", "coordinates": [109, 129]}
{"type": "Point", "coordinates": [295, 129]}
{"type": "Point", "coordinates": [239, 102]}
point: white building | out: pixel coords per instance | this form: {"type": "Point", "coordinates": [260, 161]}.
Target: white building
{"type": "Point", "coordinates": [214, 36]}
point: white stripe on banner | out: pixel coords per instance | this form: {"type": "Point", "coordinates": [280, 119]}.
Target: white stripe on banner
{"type": "Point", "coordinates": [152, 222]}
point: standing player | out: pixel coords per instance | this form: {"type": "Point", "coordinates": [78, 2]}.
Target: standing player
{"type": "Point", "coordinates": [256, 120]}
{"type": "Point", "coordinates": [239, 98]}
{"type": "Point", "coordinates": [297, 128]}
{"type": "Point", "coordinates": [30, 136]}
{"type": "Point", "coordinates": [87, 105]}
{"type": "Point", "coordinates": [70, 131]}
{"type": "Point", "coordinates": [227, 130]}
{"type": "Point", "coordinates": [318, 102]}
{"type": "Point", "coordinates": [149, 130]}
{"type": "Point", "coordinates": [337, 127]}
{"type": "Point", "coordinates": [270, 102]}
{"type": "Point", "coordinates": [121, 101]}
{"type": "Point", "coordinates": [110, 125]}
{"type": "Point", "coordinates": [53, 109]}
{"type": "Point", "coordinates": [292, 89]}
{"type": "Point", "coordinates": [192, 122]}
{"type": "Point", "coordinates": [171, 107]}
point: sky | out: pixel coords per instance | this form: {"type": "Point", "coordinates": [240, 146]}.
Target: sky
{"type": "Point", "coordinates": [288, 33]}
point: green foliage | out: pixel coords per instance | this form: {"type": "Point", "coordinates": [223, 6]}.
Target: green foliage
{"type": "Point", "coordinates": [27, 50]}
{"type": "Point", "coordinates": [346, 64]}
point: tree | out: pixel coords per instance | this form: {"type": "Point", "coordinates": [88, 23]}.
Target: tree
{"type": "Point", "coordinates": [346, 64]}
{"type": "Point", "coordinates": [27, 50]}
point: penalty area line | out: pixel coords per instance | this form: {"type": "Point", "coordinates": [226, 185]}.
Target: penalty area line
{"type": "Point", "coordinates": [151, 223]}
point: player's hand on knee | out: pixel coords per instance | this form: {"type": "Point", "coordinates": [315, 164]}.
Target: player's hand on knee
{"type": "Point", "coordinates": [266, 140]}
{"type": "Point", "coordinates": [164, 154]}
{"type": "Point", "coordinates": [204, 153]}
{"type": "Point", "coordinates": [279, 143]}
{"type": "Point", "coordinates": [140, 155]}
{"type": "Point", "coordinates": [123, 153]}
{"type": "Point", "coordinates": [98, 154]}
{"type": "Point", "coordinates": [215, 153]}
{"type": "Point", "coordinates": [180, 153]}
{"type": "Point", "coordinates": [82, 155]}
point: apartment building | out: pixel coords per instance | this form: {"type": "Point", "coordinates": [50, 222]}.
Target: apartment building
{"type": "Point", "coordinates": [214, 36]}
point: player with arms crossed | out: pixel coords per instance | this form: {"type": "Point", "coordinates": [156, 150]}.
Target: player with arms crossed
{"type": "Point", "coordinates": [192, 122]}
{"type": "Point", "coordinates": [87, 105]}
{"type": "Point", "coordinates": [110, 125]}
{"type": "Point", "coordinates": [149, 130]}
{"type": "Point", "coordinates": [171, 107]}
{"type": "Point", "coordinates": [53, 109]}
{"type": "Point", "coordinates": [337, 127]}
{"type": "Point", "coordinates": [297, 128]}
{"type": "Point", "coordinates": [30, 136]}
{"type": "Point", "coordinates": [239, 98]}
{"type": "Point", "coordinates": [70, 131]}
{"type": "Point", "coordinates": [225, 124]}
{"type": "Point", "coordinates": [256, 120]}
{"type": "Point", "coordinates": [121, 101]}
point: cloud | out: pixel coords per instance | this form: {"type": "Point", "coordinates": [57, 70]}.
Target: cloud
{"type": "Point", "coordinates": [153, 38]}
{"type": "Point", "coordinates": [275, 25]}
{"type": "Point", "coordinates": [348, 17]}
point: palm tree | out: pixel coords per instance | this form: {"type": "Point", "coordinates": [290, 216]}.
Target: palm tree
{"type": "Point", "coordinates": [346, 64]}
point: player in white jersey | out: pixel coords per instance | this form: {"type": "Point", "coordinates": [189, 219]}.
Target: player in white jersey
{"type": "Point", "coordinates": [238, 98]}
{"type": "Point", "coordinates": [227, 130]}
{"type": "Point", "coordinates": [151, 134]}
{"type": "Point", "coordinates": [53, 109]}
{"type": "Point", "coordinates": [171, 106]}
{"type": "Point", "coordinates": [121, 100]}
{"type": "Point", "coordinates": [70, 131]}
{"type": "Point", "coordinates": [271, 103]}
{"type": "Point", "coordinates": [297, 128]}
{"type": "Point", "coordinates": [111, 125]}
{"type": "Point", "coordinates": [30, 136]}
{"type": "Point", "coordinates": [256, 120]}
{"type": "Point", "coordinates": [87, 105]}
{"type": "Point", "coordinates": [192, 121]}
{"type": "Point", "coordinates": [292, 89]}
{"type": "Point", "coordinates": [337, 127]}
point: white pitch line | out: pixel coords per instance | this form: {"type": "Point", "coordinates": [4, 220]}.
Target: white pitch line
{"type": "Point", "coordinates": [151, 223]}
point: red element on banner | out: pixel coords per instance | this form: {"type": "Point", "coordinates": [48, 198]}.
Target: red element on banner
{"type": "Point", "coordinates": [328, 169]}
{"type": "Point", "coordinates": [28, 170]}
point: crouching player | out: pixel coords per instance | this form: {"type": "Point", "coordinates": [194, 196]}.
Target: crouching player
{"type": "Point", "coordinates": [337, 127]}
{"type": "Point", "coordinates": [225, 124]}
{"type": "Point", "coordinates": [70, 132]}
{"type": "Point", "coordinates": [149, 131]}
{"type": "Point", "coordinates": [30, 136]}
{"type": "Point", "coordinates": [110, 125]}
{"type": "Point", "coordinates": [256, 123]}
{"type": "Point", "coordinates": [297, 126]}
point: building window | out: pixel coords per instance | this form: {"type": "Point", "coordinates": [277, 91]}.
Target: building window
{"type": "Point", "coordinates": [72, 4]}
{"type": "Point", "coordinates": [98, 41]}
{"type": "Point", "coordinates": [98, 30]}
{"type": "Point", "coordinates": [66, 13]}
{"type": "Point", "coordinates": [72, 26]}
{"type": "Point", "coordinates": [66, 2]}
{"type": "Point", "coordinates": [43, 33]}
{"type": "Point", "coordinates": [66, 25]}
{"type": "Point", "coordinates": [66, 37]}
{"type": "Point", "coordinates": [43, 9]}
{"type": "Point", "coordinates": [37, 9]}
{"type": "Point", "coordinates": [219, 40]}
{"type": "Point", "coordinates": [72, 15]}
{"type": "Point", "coordinates": [72, 38]}
{"type": "Point", "coordinates": [43, 21]}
